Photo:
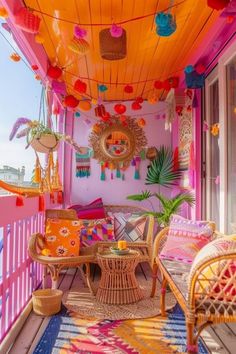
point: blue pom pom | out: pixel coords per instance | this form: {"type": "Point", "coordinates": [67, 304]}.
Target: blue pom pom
{"type": "Point", "coordinates": [102, 88]}
{"type": "Point", "coordinates": [188, 69]}
{"type": "Point", "coordinates": [77, 114]}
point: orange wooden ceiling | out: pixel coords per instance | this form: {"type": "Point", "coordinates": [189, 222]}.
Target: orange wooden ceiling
{"type": "Point", "coordinates": [149, 57]}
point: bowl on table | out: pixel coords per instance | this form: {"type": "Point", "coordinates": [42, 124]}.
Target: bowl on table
{"type": "Point", "coordinates": [119, 252]}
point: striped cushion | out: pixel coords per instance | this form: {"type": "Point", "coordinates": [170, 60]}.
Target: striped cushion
{"type": "Point", "coordinates": [94, 210]}
{"type": "Point", "coordinates": [129, 227]}
{"type": "Point", "coordinates": [185, 239]}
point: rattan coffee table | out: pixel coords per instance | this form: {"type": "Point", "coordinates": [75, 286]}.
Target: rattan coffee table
{"type": "Point", "coordinates": [118, 284]}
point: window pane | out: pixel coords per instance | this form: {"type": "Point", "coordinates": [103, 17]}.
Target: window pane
{"type": "Point", "coordinates": [214, 155]}
{"type": "Point", "coordinates": [231, 119]}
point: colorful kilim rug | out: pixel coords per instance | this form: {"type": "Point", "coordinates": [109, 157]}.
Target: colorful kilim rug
{"type": "Point", "coordinates": [66, 333]}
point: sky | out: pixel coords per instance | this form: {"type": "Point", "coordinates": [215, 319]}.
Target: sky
{"type": "Point", "coordinates": [19, 97]}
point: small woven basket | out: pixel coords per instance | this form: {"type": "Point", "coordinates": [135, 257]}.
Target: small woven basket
{"type": "Point", "coordinates": [45, 143]}
{"type": "Point", "coordinates": [47, 302]}
{"type": "Point", "coordinates": [112, 48]}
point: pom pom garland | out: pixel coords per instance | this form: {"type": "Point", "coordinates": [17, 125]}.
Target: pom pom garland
{"type": "Point", "coordinates": [116, 31]}
{"type": "Point", "coordinates": [128, 89]}
{"type": "Point", "coordinates": [120, 108]}
{"type": "Point", "coordinates": [80, 86]}
{"type": "Point", "coordinates": [15, 57]}
{"type": "Point", "coordinates": [3, 12]}
{"type": "Point", "coordinates": [70, 101]}
{"type": "Point", "coordinates": [102, 88]}
{"type": "Point", "coordinates": [54, 72]}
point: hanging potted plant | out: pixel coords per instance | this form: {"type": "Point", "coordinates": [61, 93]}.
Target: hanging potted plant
{"type": "Point", "coordinates": [41, 138]}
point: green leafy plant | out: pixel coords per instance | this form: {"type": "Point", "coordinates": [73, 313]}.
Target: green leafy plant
{"type": "Point", "coordinates": [164, 173]}
{"type": "Point", "coordinates": [169, 206]}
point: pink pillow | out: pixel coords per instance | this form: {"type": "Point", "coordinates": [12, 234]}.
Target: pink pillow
{"type": "Point", "coordinates": [94, 210]}
{"type": "Point", "coordinates": [185, 238]}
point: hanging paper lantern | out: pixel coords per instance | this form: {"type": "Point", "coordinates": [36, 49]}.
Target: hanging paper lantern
{"type": "Point", "coordinates": [15, 57]}
{"type": "Point", "coordinates": [3, 12]}
{"type": "Point", "coordinates": [34, 67]}
{"type": "Point", "coordinates": [188, 69]}
{"type": "Point", "coordinates": [85, 105]}
{"type": "Point", "coordinates": [79, 32]}
{"type": "Point", "coordinates": [27, 21]}
{"type": "Point", "coordinates": [166, 24]}
{"type": "Point", "coordinates": [218, 4]}
{"type": "Point", "coordinates": [158, 85]}
{"type": "Point", "coordinates": [194, 80]}
{"type": "Point", "coordinates": [112, 48]}
{"type": "Point", "coordinates": [70, 101]}
{"type": "Point", "coordinates": [54, 72]}
{"type": "Point", "coordinates": [120, 108]}
{"type": "Point", "coordinates": [80, 86]}
{"type": "Point", "coordinates": [141, 122]}
{"type": "Point", "coordinates": [128, 89]}
{"type": "Point", "coordinates": [136, 106]}
{"type": "Point", "coordinates": [174, 82]}
{"type": "Point", "coordinates": [116, 31]}
{"type": "Point", "coordinates": [39, 39]}
{"type": "Point", "coordinates": [200, 68]}
{"type": "Point", "coordinates": [77, 114]}
{"type": "Point", "coordinates": [100, 110]}
{"type": "Point", "coordinates": [79, 45]}
{"type": "Point", "coordinates": [102, 88]}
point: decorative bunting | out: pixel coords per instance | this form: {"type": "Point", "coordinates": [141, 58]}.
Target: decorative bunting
{"type": "Point", "coordinates": [83, 162]}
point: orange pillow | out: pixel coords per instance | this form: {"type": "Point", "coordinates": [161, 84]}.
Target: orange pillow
{"type": "Point", "coordinates": [62, 237]}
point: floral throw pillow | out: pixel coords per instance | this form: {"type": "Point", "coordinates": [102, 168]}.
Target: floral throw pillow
{"type": "Point", "coordinates": [96, 230]}
{"type": "Point", "coordinates": [185, 239]}
{"type": "Point", "coordinates": [62, 238]}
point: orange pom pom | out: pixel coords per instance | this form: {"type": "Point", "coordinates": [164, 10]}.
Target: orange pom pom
{"type": "Point", "coordinates": [15, 57]}
{"type": "Point", "coordinates": [3, 12]}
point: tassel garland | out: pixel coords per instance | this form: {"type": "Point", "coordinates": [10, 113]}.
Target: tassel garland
{"type": "Point", "coordinates": [60, 197]}
{"type": "Point", "coordinates": [41, 203]}
{"type": "Point", "coordinates": [137, 166]}
{"type": "Point", "coordinates": [19, 201]}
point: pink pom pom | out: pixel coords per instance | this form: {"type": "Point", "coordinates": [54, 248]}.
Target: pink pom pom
{"type": "Point", "coordinates": [116, 31]}
{"type": "Point", "coordinates": [79, 32]}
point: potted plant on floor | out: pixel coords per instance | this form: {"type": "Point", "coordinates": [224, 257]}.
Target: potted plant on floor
{"type": "Point", "coordinates": [164, 172]}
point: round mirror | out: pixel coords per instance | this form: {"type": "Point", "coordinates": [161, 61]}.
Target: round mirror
{"type": "Point", "coordinates": [116, 143]}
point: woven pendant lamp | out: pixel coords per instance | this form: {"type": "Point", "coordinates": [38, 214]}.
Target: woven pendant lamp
{"type": "Point", "coordinates": [112, 48]}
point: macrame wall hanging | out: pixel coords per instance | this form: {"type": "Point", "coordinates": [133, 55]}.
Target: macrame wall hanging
{"type": "Point", "coordinates": [83, 162]}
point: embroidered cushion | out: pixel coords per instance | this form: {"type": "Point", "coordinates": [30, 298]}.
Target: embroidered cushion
{"type": "Point", "coordinates": [221, 273]}
{"type": "Point", "coordinates": [129, 227]}
{"type": "Point", "coordinates": [94, 210]}
{"type": "Point", "coordinates": [62, 237]}
{"type": "Point", "coordinates": [185, 238]}
{"type": "Point", "coordinates": [96, 230]}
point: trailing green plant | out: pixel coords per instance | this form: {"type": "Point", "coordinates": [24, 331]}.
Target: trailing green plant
{"type": "Point", "coordinates": [164, 173]}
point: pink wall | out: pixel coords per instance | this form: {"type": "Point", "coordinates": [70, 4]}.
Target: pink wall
{"type": "Point", "coordinates": [85, 190]}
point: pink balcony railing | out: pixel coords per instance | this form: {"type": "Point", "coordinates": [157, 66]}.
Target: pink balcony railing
{"type": "Point", "coordinates": [19, 275]}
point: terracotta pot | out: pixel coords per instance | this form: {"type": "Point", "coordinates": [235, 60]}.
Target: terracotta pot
{"type": "Point", "coordinates": [45, 143]}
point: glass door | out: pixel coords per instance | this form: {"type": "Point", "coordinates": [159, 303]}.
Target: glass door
{"type": "Point", "coordinates": [212, 152]}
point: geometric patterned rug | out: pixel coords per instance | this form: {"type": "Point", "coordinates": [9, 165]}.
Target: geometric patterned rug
{"type": "Point", "coordinates": [66, 333]}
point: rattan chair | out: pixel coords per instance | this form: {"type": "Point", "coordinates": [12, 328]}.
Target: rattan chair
{"type": "Point", "coordinates": [201, 308]}
{"type": "Point", "coordinates": [87, 254]}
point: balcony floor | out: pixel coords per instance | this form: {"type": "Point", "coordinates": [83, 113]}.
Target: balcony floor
{"type": "Point", "coordinates": [220, 339]}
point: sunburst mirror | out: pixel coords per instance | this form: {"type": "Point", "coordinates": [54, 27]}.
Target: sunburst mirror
{"type": "Point", "coordinates": [117, 141]}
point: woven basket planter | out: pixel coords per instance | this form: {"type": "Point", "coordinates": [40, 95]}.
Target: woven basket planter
{"type": "Point", "coordinates": [45, 143]}
{"type": "Point", "coordinates": [112, 48]}
{"type": "Point", "coordinates": [47, 302]}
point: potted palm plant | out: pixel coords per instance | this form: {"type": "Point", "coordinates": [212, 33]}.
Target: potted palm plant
{"type": "Point", "coordinates": [164, 172]}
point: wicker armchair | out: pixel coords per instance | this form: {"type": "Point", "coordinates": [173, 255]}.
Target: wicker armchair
{"type": "Point", "coordinates": [87, 254]}
{"type": "Point", "coordinates": [202, 305]}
